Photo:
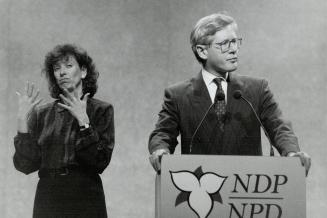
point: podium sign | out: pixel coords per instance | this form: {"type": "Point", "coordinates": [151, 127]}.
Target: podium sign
{"type": "Point", "coordinates": [212, 186]}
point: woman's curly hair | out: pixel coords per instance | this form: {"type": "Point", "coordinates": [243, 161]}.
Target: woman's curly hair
{"type": "Point", "coordinates": [61, 52]}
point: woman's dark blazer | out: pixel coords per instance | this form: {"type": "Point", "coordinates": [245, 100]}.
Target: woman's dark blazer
{"type": "Point", "coordinates": [55, 140]}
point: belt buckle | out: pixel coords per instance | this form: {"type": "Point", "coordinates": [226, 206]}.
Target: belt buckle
{"type": "Point", "coordinates": [65, 173]}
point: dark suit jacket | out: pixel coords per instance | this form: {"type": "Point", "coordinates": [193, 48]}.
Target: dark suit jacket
{"type": "Point", "coordinates": [186, 103]}
{"type": "Point", "coordinates": [54, 139]}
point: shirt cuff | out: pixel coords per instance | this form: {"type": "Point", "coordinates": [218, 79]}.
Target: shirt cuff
{"type": "Point", "coordinates": [24, 135]}
{"type": "Point", "coordinates": [161, 148]}
{"type": "Point", "coordinates": [87, 137]}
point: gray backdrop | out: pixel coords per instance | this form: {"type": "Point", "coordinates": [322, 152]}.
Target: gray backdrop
{"type": "Point", "coordinates": [142, 46]}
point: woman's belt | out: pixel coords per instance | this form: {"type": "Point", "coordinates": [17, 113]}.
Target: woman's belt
{"type": "Point", "coordinates": [64, 171]}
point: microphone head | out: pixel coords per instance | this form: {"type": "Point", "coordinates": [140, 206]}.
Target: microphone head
{"type": "Point", "coordinates": [237, 94]}
{"type": "Point", "coordinates": [220, 96]}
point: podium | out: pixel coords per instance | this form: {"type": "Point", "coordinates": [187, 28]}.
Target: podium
{"type": "Point", "coordinates": [214, 186]}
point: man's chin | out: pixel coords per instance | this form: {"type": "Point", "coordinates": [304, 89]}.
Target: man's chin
{"type": "Point", "coordinates": [233, 67]}
{"type": "Point", "coordinates": [230, 67]}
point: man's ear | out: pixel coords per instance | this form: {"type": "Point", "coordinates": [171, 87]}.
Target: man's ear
{"type": "Point", "coordinates": [84, 72]}
{"type": "Point", "coordinates": [202, 51]}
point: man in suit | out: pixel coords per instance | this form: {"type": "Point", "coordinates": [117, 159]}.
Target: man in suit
{"type": "Point", "coordinates": [207, 111]}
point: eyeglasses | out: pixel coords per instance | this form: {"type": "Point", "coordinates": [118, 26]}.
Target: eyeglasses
{"type": "Point", "coordinates": [226, 45]}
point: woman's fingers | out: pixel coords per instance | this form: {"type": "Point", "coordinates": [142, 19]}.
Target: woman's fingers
{"type": "Point", "coordinates": [32, 90]}
{"type": "Point", "coordinates": [63, 106]}
{"type": "Point", "coordinates": [69, 95]}
{"type": "Point", "coordinates": [65, 100]}
{"type": "Point", "coordinates": [35, 95]}
{"type": "Point", "coordinates": [86, 97]}
{"type": "Point", "coordinates": [37, 102]}
{"type": "Point", "coordinates": [29, 89]}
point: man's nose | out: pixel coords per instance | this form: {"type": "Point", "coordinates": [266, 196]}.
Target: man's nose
{"type": "Point", "coordinates": [233, 47]}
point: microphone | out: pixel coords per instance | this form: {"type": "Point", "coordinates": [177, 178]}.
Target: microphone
{"type": "Point", "coordinates": [238, 95]}
{"type": "Point", "coordinates": [219, 97]}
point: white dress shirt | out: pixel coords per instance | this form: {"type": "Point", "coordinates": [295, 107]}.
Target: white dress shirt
{"type": "Point", "coordinates": [211, 86]}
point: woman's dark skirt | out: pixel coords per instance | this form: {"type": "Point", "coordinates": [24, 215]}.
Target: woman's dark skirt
{"type": "Point", "coordinates": [70, 196]}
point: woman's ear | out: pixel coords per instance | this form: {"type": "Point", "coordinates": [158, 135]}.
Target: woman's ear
{"type": "Point", "coordinates": [84, 72]}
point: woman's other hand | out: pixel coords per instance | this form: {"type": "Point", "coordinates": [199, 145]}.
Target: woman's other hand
{"type": "Point", "coordinates": [26, 102]}
{"type": "Point", "coordinates": [76, 106]}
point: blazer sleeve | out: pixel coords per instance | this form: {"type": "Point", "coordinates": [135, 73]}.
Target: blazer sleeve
{"type": "Point", "coordinates": [27, 156]}
{"type": "Point", "coordinates": [167, 128]}
{"type": "Point", "coordinates": [279, 129]}
{"type": "Point", "coordinates": [94, 146]}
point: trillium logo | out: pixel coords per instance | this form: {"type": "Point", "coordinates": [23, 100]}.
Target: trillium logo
{"type": "Point", "coordinates": [199, 189]}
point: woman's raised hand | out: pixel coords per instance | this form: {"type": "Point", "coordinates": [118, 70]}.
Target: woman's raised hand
{"type": "Point", "coordinates": [26, 102]}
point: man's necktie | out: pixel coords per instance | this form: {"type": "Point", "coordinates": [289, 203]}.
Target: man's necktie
{"type": "Point", "coordinates": [220, 104]}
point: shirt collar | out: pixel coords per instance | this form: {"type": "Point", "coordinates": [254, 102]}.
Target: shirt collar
{"type": "Point", "coordinates": [209, 77]}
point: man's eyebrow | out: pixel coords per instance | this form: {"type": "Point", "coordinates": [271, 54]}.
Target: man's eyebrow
{"type": "Point", "coordinates": [226, 40]}
{"type": "Point", "coordinates": [222, 42]}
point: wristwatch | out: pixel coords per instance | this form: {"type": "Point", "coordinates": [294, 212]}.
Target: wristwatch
{"type": "Point", "coordinates": [84, 127]}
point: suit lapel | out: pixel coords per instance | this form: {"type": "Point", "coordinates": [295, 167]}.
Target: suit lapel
{"type": "Point", "coordinates": [234, 83]}
{"type": "Point", "coordinates": [232, 128]}
{"type": "Point", "coordinates": [201, 97]}
{"type": "Point", "coordinates": [201, 102]}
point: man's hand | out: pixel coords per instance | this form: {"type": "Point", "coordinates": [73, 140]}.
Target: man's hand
{"type": "Point", "coordinates": [305, 159]}
{"type": "Point", "coordinates": [155, 158]}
